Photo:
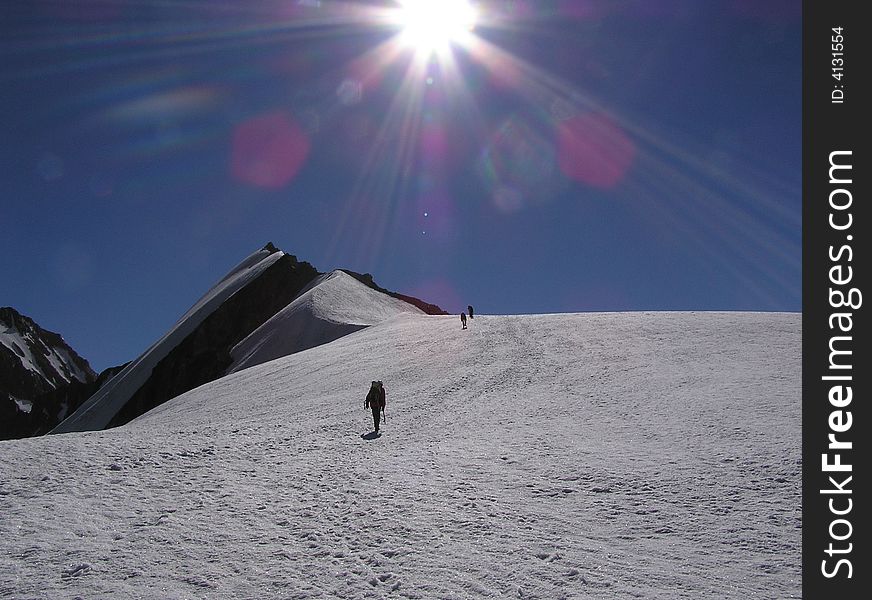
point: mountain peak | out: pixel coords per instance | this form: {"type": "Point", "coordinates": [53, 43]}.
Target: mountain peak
{"type": "Point", "coordinates": [269, 305]}
{"type": "Point", "coordinates": [42, 352]}
{"type": "Point", "coordinates": [34, 363]}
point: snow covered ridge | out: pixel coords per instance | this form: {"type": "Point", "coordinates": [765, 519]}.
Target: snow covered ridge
{"type": "Point", "coordinates": [336, 305]}
{"type": "Point", "coordinates": [99, 410]}
{"type": "Point", "coordinates": [611, 456]}
{"type": "Point", "coordinates": [268, 306]}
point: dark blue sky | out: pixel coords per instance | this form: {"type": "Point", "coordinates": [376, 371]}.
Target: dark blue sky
{"type": "Point", "coordinates": [573, 155]}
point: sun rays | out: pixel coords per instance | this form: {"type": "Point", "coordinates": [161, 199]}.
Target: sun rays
{"type": "Point", "coordinates": [417, 86]}
{"type": "Point", "coordinates": [567, 136]}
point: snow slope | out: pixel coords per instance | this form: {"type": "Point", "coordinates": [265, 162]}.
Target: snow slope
{"type": "Point", "coordinates": [606, 456]}
{"type": "Point", "coordinates": [99, 409]}
{"type": "Point", "coordinates": [335, 305]}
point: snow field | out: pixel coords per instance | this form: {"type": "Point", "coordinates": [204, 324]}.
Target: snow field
{"type": "Point", "coordinates": [607, 456]}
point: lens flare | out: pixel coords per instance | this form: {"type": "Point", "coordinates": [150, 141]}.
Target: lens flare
{"type": "Point", "coordinates": [594, 150]}
{"type": "Point", "coordinates": [268, 150]}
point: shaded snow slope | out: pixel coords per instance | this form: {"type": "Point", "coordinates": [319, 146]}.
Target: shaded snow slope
{"type": "Point", "coordinates": [99, 409]}
{"type": "Point", "coordinates": [608, 456]}
{"type": "Point", "coordinates": [335, 305]}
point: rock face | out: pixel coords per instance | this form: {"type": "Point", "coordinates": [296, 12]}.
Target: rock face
{"type": "Point", "coordinates": [36, 365]}
{"type": "Point", "coordinates": [196, 349]}
{"type": "Point", "coordinates": [204, 355]}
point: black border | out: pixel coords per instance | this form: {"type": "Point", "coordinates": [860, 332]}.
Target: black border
{"type": "Point", "coordinates": [829, 127]}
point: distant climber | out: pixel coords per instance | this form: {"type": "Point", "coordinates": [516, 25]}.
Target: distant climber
{"type": "Point", "coordinates": [375, 400]}
{"type": "Point", "coordinates": [463, 319]}
{"type": "Point", "coordinates": [469, 308]}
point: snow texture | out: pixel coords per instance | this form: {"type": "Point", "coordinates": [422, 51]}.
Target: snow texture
{"type": "Point", "coordinates": [99, 409]}
{"type": "Point", "coordinates": [335, 305]}
{"type": "Point", "coordinates": [602, 456]}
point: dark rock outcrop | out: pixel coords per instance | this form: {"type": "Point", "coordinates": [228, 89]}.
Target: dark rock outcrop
{"type": "Point", "coordinates": [35, 364]}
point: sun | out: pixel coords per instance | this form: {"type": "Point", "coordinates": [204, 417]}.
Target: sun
{"type": "Point", "coordinates": [432, 25]}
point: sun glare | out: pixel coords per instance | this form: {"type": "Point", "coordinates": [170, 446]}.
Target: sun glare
{"type": "Point", "coordinates": [429, 25]}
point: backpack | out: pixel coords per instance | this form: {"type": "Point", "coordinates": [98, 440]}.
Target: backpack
{"type": "Point", "coordinates": [374, 395]}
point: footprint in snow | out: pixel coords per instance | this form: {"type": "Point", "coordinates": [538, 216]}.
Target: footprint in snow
{"type": "Point", "coordinates": [548, 556]}
{"type": "Point", "coordinates": [76, 571]}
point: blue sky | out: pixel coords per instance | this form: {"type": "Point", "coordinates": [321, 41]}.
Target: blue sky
{"type": "Point", "coordinates": [565, 155]}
